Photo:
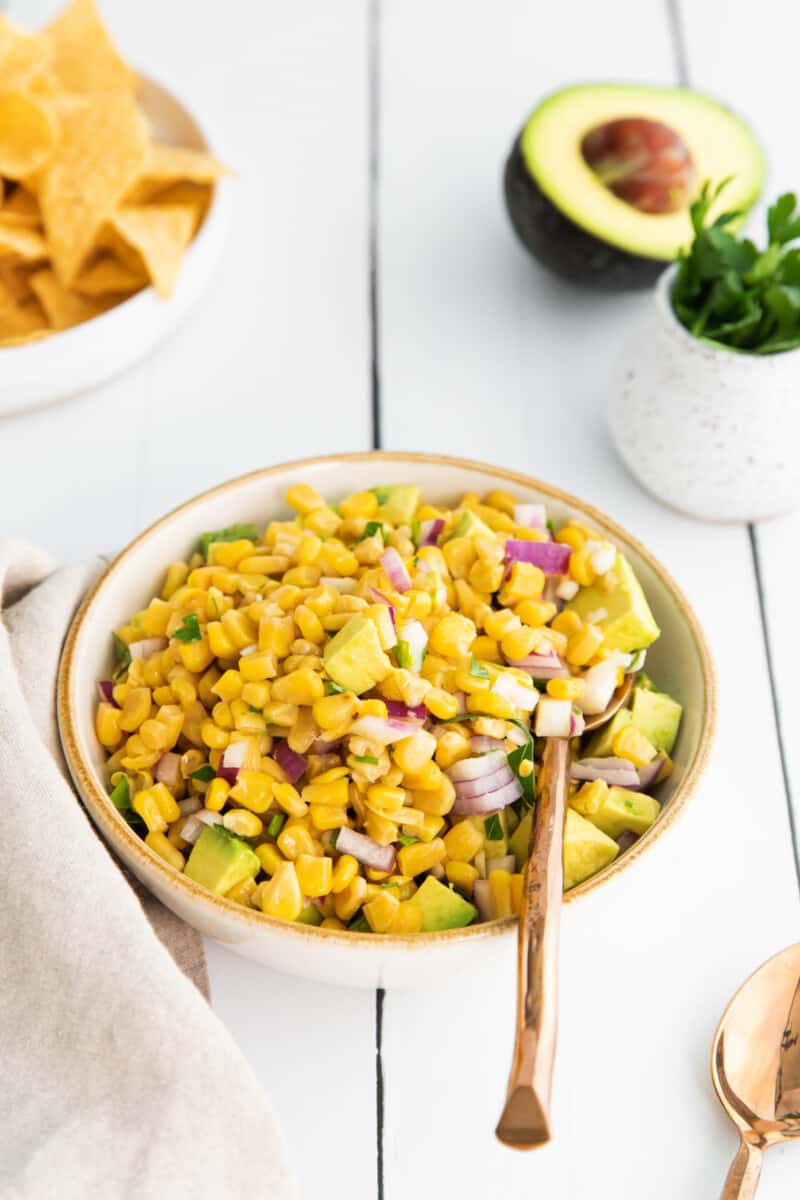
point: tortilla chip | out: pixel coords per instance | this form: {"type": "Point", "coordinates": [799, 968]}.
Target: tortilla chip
{"type": "Point", "coordinates": [195, 196]}
{"type": "Point", "coordinates": [24, 57]}
{"type": "Point", "coordinates": [160, 234]}
{"type": "Point", "coordinates": [7, 342]}
{"type": "Point", "coordinates": [108, 274]}
{"type": "Point", "coordinates": [84, 57]}
{"type": "Point", "coordinates": [27, 135]}
{"type": "Point", "coordinates": [100, 153]}
{"type": "Point", "coordinates": [21, 208]}
{"type": "Point", "coordinates": [18, 242]}
{"type": "Point", "coordinates": [62, 307]}
{"type": "Point", "coordinates": [22, 320]}
{"type": "Point", "coordinates": [16, 279]}
{"type": "Point", "coordinates": [172, 163]}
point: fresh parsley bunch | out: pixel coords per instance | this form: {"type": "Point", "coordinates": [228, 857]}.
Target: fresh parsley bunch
{"type": "Point", "coordinates": [730, 292]}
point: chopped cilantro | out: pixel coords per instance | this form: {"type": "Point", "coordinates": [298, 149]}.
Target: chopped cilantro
{"type": "Point", "coordinates": [382, 494]}
{"type": "Point", "coordinates": [371, 528]}
{"type": "Point", "coordinates": [335, 838]}
{"type": "Point", "coordinates": [406, 839]}
{"type": "Point", "coordinates": [387, 885]}
{"type": "Point", "coordinates": [189, 630]}
{"type": "Point", "coordinates": [334, 689]}
{"type": "Point", "coordinates": [476, 669]}
{"type": "Point", "coordinates": [253, 708]}
{"type": "Point", "coordinates": [367, 758]}
{"type": "Point", "coordinates": [493, 827]}
{"type": "Point", "coordinates": [122, 654]}
{"type": "Point", "coordinates": [204, 774]}
{"type": "Point", "coordinates": [276, 824]}
{"type": "Point", "coordinates": [360, 924]}
{"type": "Point", "coordinates": [232, 534]}
{"type": "Point", "coordinates": [416, 531]}
{"type": "Point", "coordinates": [551, 527]}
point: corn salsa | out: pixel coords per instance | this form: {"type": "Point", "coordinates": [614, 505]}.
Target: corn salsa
{"type": "Point", "coordinates": [337, 718]}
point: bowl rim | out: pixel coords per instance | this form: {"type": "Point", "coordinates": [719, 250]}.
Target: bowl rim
{"type": "Point", "coordinates": [116, 830]}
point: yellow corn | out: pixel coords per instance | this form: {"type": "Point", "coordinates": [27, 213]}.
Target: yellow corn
{"type": "Point", "coordinates": [463, 841]}
{"type": "Point", "coordinates": [328, 816]}
{"type": "Point", "coordinates": [535, 612]}
{"type": "Point", "coordinates": [437, 801]}
{"type": "Point", "coordinates": [329, 792]}
{"type": "Point", "coordinates": [164, 848]}
{"type": "Point", "coordinates": [580, 567]}
{"type": "Point", "coordinates": [452, 636]}
{"type": "Point", "coordinates": [485, 576]}
{"type": "Point", "coordinates": [228, 686]}
{"type": "Point", "coordinates": [567, 622]}
{"type": "Point", "coordinates": [107, 726]}
{"type": "Point", "coordinates": [441, 704]}
{"type": "Point", "coordinates": [408, 919]}
{"type": "Point", "coordinates": [314, 874]}
{"type": "Point", "coordinates": [583, 645]}
{"type": "Point", "coordinates": [253, 790]}
{"type": "Point", "coordinates": [289, 799]}
{"type": "Point", "coordinates": [282, 896]}
{"type": "Point", "coordinates": [631, 744]}
{"type": "Point", "coordinates": [526, 582]}
{"type": "Point", "coordinates": [135, 709]}
{"type": "Point", "coordinates": [419, 857]}
{"type": "Point", "coordinates": [217, 794]}
{"type": "Point", "coordinates": [565, 689]}
{"type": "Point", "coordinates": [294, 840]}
{"type": "Point", "coordinates": [349, 900]}
{"type": "Point", "coordinates": [382, 912]}
{"type": "Point", "coordinates": [243, 823]}
{"type": "Point", "coordinates": [299, 687]}
{"type": "Point", "coordinates": [462, 874]}
{"type": "Point", "coordinates": [270, 857]}
{"type": "Point", "coordinates": [500, 893]}
{"type": "Point", "coordinates": [332, 923]}
{"type": "Point", "coordinates": [589, 799]}
{"type": "Point", "coordinates": [344, 873]}
{"type": "Point", "coordinates": [519, 643]}
{"type": "Point", "coordinates": [175, 578]}
{"type": "Point", "coordinates": [243, 892]}
{"type": "Point", "coordinates": [412, 753]}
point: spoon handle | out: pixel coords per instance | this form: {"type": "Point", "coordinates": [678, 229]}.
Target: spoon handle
{"type": "Point", "coordinates": [744, 1174]}
{"type": "Point", "coordinates": [525, 1122]}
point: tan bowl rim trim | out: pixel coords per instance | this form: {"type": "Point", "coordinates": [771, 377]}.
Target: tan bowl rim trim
{"type": "Point", "coordinates": [116, 829]}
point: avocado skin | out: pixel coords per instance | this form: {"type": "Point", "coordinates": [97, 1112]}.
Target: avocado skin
{"type": "Point", "coordinates": [561, 245]}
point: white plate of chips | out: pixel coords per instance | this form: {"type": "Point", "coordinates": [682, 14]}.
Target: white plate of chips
{"type": "Point", "coordinates": [113, 212]}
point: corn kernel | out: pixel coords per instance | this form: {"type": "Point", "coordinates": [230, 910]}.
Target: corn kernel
{"type": "Point", "coordinates": [441, 704]}
{"type": "Point", "coordinates": [344, 873]}
{"type": "Point", "coordinates": [323, 791]}
{"type": "Point", "coordinates": [631, 744]}
{"type": "Point", "coordinates": [175, 578]}
{"type": "Point", "coordinates": [590, 798]}
{"type": "Point", "coordinates": [408, 919]}
{"type": "Point", "coordinates": [294, 840]}
{"type": "Point", "coordinates": [382, 911]}
{"type": "Point", "coordinates": [535, 612]}
{"type": "Point", "coordinates": [519, 643]}
{"type": "Point", "coordinates": [270, 857]}
{"type": "Point", "coordinates": [328, 816]}
{"type": "Point", "coordinates": [315, 874]}
{"type": "Point", "coordinates": [228, 686]}
{"type": "Point", "coordinates": [107, 726]}
{"type": "Point", "coordinates": [164, 848]}
{"type": "Point", "coordinates": [282, 896]}
{"type": "Point", "coordinates": [419, 857]}
{"type": "Point", "coordinates": [452, 636]}
{"type": "Point", "coordinates": [253, 790]}
{"type": "Point", "coordinates": [462, 874]}
{"type": "Point", "coordinates": [463, 841]}
{"type": "Point", "coordinates": [583, 645]}
{"type": "Point", "coordinates": [217, 794]}
{"type": "Point", "coordinates": [299, 687]}
{"type": "Point", "coordinates": [243, 823]}
{"type": "Point", "coordinates": [580, 567]}
{"type": "Point", "coordinates": [500, 893]}
{"type": "Point", "coordinates": [565, 689]}
{"type": "Point", "coordinates": [567, 622]}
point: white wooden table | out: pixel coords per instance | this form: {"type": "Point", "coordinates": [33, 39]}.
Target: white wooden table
{"type": "Point", "coordinates": [373, 288]}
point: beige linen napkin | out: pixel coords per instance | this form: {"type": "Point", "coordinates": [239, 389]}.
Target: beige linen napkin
{"type": "Point", "coordinates": [116, 1079]}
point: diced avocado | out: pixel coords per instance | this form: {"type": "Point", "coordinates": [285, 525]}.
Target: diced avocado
{"type": "Point", "coordinates": [586, 849]}
{"type": "Point", "coordinates": [621, 812]}
{"type": "Point", "coordinates": [600, 746]}
{"type": "Point", "coordinates": [219, 860]}
{"type": "Point", "coordinates": [354, 658]}
{"type": "Point", "coordinates": [398, 503]}
{"type": "Point", "coordinates": [469, 525]}
{"type": "Point", "coordinates": [644, 682]}
{"type": "Point", "coordinates": [628, 624]}
{"type": "Point", "coordinates": [441, 907]}
{"type": "Point", "coordinates": [520, 841]}
{"type": "Point", "coordinates": [657, 716]}
{"type": "Point", "coordinates": [310, 915]}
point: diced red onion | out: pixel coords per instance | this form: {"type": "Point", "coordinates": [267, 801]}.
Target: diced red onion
{"type": "Point", "coordinates": [542, 666]}
{"type": "Point", "coordinates": [602, 556]}
{"type": "Point", "coordinates": [197, 823]}
{"type": "Point", "coordinates": [510, 689]}
{"type": "Point", "coordinates": [394, 567]}
{"type": "Point", "coordinates": [599, 685]}
{"type": "Point", "coordinates": [517, 735]}
{"type": "Point", "coordinates": [488, 802]}
{"type": "Point", "coordinates": [405, 712]}
{"type": "Point", "coordinates": [481, 744]}
{"type": "Point", "coordinates": [168, 769]}
{"type": "Point", "coordinates": [191, 804]}
{"type": "Point", "coordinates": [429, 531]}
{"type": "Point", "coordinates": [147, 647]}
{"type": "Point", "coordinates": [468, 788]}
{"type": "Point", "coordinates": [550, 557]}
{"type": "Point", "coordinates": [637, 662]}
{"type": "Point", "coordinates": [477, 768]}
{"type": "Point", "coordinates": [290, 762]}
{"type": "Point", "coordinates": [533, 516]}
{"type": "Point", "coordinates": [367, 851]}
{"type": "Point", "coordinates": [462, 703]}
{"type": "Point", "coordinates": [384, 730]}
{"type": "Point", "coordinates": [553, 718]}
{"type": "Point", "coordinates": [505, 863]}
{"type": "Point", "coordinates": [482, 899]}
{"type": "Point", "coordinates": [106, 689]}
{"type": "Point", "coordinates": [232, 761]}
{"type": "Point", "coordinates": [577, 724]}
{"type": "Point", "coordinates": [616, 772]}
{"type": "Point", "coordinates": [649, 773]}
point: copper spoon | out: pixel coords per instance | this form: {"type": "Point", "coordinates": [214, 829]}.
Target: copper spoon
{"type": "Point", "coordinates": [755, 1065]}
{"type": "Point", "coordinates": [525, 1122]}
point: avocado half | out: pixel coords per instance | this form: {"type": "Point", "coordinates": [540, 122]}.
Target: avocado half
{"type": "Point", "coordinates": [571, 220]}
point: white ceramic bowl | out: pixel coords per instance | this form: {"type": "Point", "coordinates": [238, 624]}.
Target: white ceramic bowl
{"type": "Point", "coordinates": [74, 360]}
{"type": "Point", "coordinates": [711, 431]}
{"type": "Point", "coordinates": [680, 661]}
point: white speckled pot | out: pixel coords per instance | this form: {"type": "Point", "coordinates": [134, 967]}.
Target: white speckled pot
{"type": "Point", "coordinates": [711, 431]}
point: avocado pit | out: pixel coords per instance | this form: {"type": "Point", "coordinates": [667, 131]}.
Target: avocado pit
{"type": "Point", "coordinates": [644, 163]}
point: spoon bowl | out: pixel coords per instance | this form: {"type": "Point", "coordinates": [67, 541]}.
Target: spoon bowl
{"type": "Point", "coordinates": [755, 1066]}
